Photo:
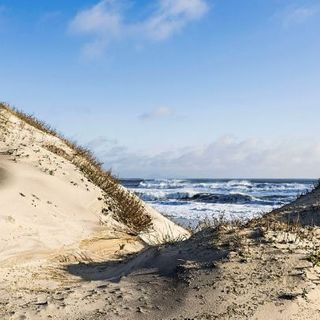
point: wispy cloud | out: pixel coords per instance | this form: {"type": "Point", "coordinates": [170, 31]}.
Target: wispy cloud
{"type": "Point", "coordinates": [172, 16]}
{"type": "Point", "coordinates": [158, 113]}
{"type": "Point", "coordinates": [298, 15]}
{"type": "Point", "coordinates": [224, 157]}
{"type": "Point", "coordinates": [107, 21]}
{"type": "Point", "coordinates": [102, 22]}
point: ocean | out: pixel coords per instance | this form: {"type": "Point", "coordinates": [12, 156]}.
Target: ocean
{"type": "Point", "coordinates": [188, 201]}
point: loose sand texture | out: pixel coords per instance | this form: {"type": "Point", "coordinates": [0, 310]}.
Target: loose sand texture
{"type": "Point", "coordinates": [266, 269]}
{"type": "Point", "coordinates": [51, 215]}
{"type": "Point", "coordinates": [64, 255]}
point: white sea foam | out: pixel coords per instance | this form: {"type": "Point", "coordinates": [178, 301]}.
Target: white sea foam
{"type": "Point", "coordinates": [193, 200]}
{"type": "Point", "coordinates": [192, 213]}
{"type": "Point", "coordinates": [156, 195]}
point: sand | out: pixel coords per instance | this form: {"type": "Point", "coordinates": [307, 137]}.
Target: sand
{"type": "Point", "coordinates": [62, 258]}
{"type": "Point", "coordinates": [52, 215]}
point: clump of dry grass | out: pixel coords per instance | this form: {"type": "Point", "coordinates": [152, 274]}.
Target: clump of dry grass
{"type": "Point", "coordinates": [133, 208]}
{"type": "Point", "coordinates": [219, 222]}
{"type": "Point", "coordinates": [130, 210]}
{"type": "Point", "coordinates": [29, 119]}
{"type": "Point", "coordinates": [315, 259]}
{"type": "Point", "coordinates": [56, 150]}
{"type": "Point", "coordinates": [228, 233]}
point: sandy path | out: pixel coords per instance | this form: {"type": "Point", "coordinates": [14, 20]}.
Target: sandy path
{"type": "Point", "coordinates": [262, 278]}
{"type": "Point", "coordinates": [217, 274]}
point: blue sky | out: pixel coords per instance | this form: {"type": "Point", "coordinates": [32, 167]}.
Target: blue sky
{"type": "Point", "coordinates": [172, 88]}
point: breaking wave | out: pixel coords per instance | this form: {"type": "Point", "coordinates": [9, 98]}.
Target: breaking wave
{"type": "Point", "coordinates": [190, 200]}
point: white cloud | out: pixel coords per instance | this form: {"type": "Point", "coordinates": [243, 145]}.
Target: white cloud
{"type": "Point", "coordinates": [298, 15]}
{"type": "Point", "coordinates": [103, 22]}
{"type": "Point", "coordinates": [106, 21]}
{"type": "Point", "coordinates": [161, 112]}
{"type": "Point", "coordinates": [172, 16]}
{"type": "Point", "coordinates": [223, 158]}
{"type": "Point", "coordinates": [101, 18]}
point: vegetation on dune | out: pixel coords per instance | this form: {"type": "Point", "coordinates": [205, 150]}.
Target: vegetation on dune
{"type": "Point", "coordinates": [29, 119]}
{"type": "Point", "coordinates": [315, 259]}
{"type": "Point", "coordinates": [128, 208]}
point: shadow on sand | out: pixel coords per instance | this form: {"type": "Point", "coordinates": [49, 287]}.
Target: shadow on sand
{"type": "Point", "coordinates": [170, 261]}
{"type": "Point", "coordinates": [3, 176]}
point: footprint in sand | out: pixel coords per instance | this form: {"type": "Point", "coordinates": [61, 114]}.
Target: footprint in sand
{"type": "Point", "coordinates": [9, 219]}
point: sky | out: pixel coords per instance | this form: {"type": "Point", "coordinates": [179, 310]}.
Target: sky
{"type": "Point", "coordinates": [172, 88]}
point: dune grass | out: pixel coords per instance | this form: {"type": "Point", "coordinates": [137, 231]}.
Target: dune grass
{"type": "Point", "coordinates": [129, 209]}
{"type": "Point", "coordinates": [315, 259]}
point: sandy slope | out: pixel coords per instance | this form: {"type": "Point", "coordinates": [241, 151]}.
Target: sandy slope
{"type": "Point", "coordinates": [52, 215]}
{"type": "Point", "coordinates": [40, 212]}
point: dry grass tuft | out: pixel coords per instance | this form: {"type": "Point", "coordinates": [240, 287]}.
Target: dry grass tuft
{"type": "Point", "coordinates": [56, 150]}
{"type": "Point", "coordinates": [315, 259]}
{"type": "Point", "coordinates": [130, 210]}
{"type": "Point", "coordinates": [29, 119]}
{"type": "Point", "coordinates": [219, 222]}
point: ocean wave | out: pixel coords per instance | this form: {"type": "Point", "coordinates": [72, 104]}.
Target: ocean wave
{"type": "Point", "coordinates": [193, 199]}
{"type": "Point", "coordinates": [163, 184]}
{"type": "Point", "coordinates": [222, 198]}
{"type": "Point", "coordinates": [289, 187]}
{"type": "Point", "coordinates": [158, 195]}
{"type": "Point", "coordinates": [240, 183]}
{"type": "Point", "coordinates": [252, 187]}
{"type": "Point", "coordinates": [240, 198]}
{"type": "Point", "coordinates": [176, 183]}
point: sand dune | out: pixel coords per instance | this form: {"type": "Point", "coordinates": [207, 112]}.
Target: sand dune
{"type": "Point", "coordinates": [52, 214]}
{"type": "Point", "coordinates": [65, 254]}
{"type": "Point", "coordinates": [46, 201]}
